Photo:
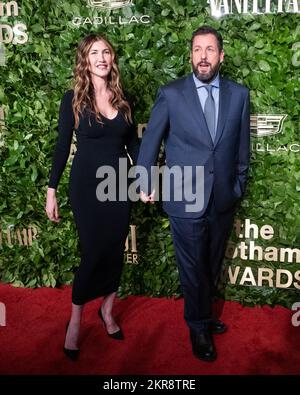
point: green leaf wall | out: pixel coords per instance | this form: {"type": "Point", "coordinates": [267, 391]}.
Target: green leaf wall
{"type": "Point", "coordinates": [262, 52]}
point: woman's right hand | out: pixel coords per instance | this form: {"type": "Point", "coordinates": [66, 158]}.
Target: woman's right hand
{"type": "Point", "coordinates": [51, 205]}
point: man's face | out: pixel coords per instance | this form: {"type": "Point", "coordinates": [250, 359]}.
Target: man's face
{"type": "Point", "coordinates": [206, 57]}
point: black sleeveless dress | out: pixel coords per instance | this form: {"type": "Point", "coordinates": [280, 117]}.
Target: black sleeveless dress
{"type": "Point", "coordinates": [102, 225]}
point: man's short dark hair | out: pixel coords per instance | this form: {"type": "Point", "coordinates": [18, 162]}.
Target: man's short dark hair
{"type": "Point", "coordinates": [208, 30]}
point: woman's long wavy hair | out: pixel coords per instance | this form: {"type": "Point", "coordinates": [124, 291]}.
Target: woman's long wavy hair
{"type": "Point", "coordinates": [84, 95]}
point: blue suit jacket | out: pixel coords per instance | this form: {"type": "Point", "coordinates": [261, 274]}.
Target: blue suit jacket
{"type": "Point", "coordinates": [178, 120]}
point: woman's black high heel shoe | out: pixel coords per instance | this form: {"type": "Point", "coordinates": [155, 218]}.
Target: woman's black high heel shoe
{"type": "Point", "coordinates": [72, 354]}
{"type": "Point", "coordinates": [116, 335]}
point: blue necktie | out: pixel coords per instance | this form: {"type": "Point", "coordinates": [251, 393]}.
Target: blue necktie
{"type": "Point", "coordinates": [210, 112]}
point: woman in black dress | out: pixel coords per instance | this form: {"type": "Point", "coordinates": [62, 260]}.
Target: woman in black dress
{"type": "Point", "coordinates": [97, 110]}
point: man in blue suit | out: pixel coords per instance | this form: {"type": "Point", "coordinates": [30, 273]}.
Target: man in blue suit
{"type": "Point", "coordinates": [204, 122]}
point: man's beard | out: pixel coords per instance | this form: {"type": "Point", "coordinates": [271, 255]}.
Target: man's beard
{"type": "Point", "coordinates": [206, 77]}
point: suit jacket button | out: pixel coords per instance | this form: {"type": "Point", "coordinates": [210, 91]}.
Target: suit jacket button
{"type": "Point", "coordinates": [211, 172]}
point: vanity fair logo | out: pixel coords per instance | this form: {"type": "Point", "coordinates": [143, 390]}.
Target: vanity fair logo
{"type": "Point", "coordinates": [265, 125]}
{"type": "Point", "coordinates": [131, 252]}
{"type": "Point", "coordinates": [111, 19]}
{"type": "Point", "coordinates": [11, 33]}
{"type": "Point", "coordinates": [221, 8]}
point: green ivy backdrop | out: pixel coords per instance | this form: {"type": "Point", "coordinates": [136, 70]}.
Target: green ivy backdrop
{"type": "Point", "coordinates": [259, 51]}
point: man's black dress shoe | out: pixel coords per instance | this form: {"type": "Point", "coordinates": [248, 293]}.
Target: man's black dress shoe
{"type": "Point", "coordinates": [71, 354]}
{"type": "Point", "coordinates": [218, 327]}
{"type": "Point", "coordinates": [203, 346]}
{"type": "Point", "coordinates": [115, 335]}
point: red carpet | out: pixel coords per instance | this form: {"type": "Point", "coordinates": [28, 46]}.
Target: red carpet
{"type": "Point", "coordinates": [259, 340]}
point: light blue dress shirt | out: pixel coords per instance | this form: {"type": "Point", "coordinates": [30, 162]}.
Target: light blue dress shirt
{"type": "Point", "coordinates": [202, 93]}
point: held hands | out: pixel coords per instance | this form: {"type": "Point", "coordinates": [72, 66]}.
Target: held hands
{"type": "Point", "coordinates": [147, 198]}
{"type": "Point", "coordinates": [51, 205]}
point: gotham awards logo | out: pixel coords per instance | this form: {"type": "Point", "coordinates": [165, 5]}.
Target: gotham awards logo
{"type": "Point", "coordinates": [109, 4]}
{"type": "Point", "coordinates": [10, 32]}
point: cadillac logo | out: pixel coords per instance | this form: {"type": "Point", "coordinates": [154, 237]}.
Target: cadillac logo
{"type": "Point", "coordinates": [109, 4]}
{"type": "Point", "coordinates": [266, 125]}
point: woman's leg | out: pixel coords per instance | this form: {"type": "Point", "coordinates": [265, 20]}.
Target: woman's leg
{"type": "Point", "coordinates": [106, 308]}
{"type": "Point", "coordinates": [72, 335]}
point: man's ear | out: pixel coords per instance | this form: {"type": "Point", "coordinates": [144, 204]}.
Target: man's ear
{"type": "Point", "coordinates": [222, 55]}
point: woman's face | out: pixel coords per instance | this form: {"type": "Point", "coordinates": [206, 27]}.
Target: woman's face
{"type": "Point", "coordinates": [100, 59]}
